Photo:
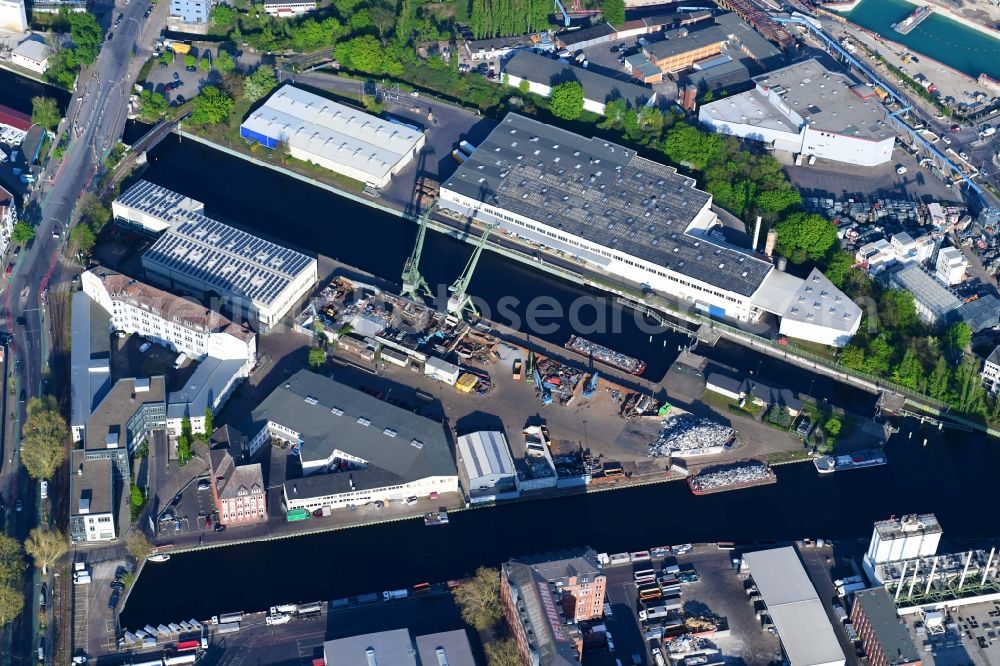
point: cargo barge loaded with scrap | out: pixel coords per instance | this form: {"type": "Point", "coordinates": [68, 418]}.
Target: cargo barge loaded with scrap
{"type": "Point", "coordinates": [607, 356]}
{"type": "Point", "coordinates": [907, 25]}
{"type": "Point", "coordinates": [854, 460]}
{"type": "Point", "coordinates": [733, 476]}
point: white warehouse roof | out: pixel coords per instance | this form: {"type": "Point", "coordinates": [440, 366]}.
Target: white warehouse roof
{"type": "Point", "coordinates": [334, 132]}
{"type": "Point", "coordinates": [796, 611]}
{"type": "Point", "coordinates": [486, 453]}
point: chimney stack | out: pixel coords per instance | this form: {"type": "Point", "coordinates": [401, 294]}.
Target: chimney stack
{"type": "Point", "coordinates": [756, 234]}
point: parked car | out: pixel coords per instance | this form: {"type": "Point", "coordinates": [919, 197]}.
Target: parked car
{"type": "Point", "coordinates": [117, 585]}
{"type": "Point", "coordinates": [204, 484]}
{"type": "Point", "coordinates": [901, 169]}
{"type": "Point", "coordinates": [110, 36]}
{"type": "Point", "coordinates": [181, 100]}
{"type": "Point", "coordinates": [113, 600]}
{"type": "Point", "coordinates": [219, 527]}
{"type": "Point", "coordinates": [120, 571]}
{"type": "Point", "coordinates": [177, 77]}
{"type": "Point", "coordinates": [18, 505]}
{"type": "Point", "coordinates": [118, 21]}
{"type": "Point", "coordinates": [191, 68]}
{"type": "Point", "coordinates": [43, 594]}
{"type": "Point", "coordinates": [144, 347]}
{"type": "Point", "coordinates": [149, 10]}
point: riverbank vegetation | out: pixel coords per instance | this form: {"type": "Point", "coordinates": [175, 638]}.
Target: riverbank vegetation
{"type": "Point", "coordinates": [86, 36]}
{"type": "Point", "coordinates": [12, 568]}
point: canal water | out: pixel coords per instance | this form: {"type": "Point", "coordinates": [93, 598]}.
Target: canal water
{"type": "Point", "coordinates": [16, 92]}
{"type": "Point", "coordinates": [960, 47]}
{"type": "Point", "coordinates": [952, 475]}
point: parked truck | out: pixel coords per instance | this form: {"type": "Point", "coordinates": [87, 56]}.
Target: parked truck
{"type": "Point", "coordinates": [297, 514]}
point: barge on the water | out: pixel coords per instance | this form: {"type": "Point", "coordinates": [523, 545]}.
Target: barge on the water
{"type": "Point", "coordinates": [439, 517]}
{"type": "Point", "coordinates": [855, 460]}
{"type": "Point", "coordinates": [907, 25]}
{"type": "Point", "coordinates": [732, 476]}
{"type": "Point", "coordinates": [605, 355]}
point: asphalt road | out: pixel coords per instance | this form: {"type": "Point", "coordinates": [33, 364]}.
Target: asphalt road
{"type": "Point", "coordinates": [95, 120]}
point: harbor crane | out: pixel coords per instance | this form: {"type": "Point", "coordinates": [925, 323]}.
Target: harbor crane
{"type": "Point", "coordinates": [460, 302]}
{"type": "Point", "coordinates": [415, 287]}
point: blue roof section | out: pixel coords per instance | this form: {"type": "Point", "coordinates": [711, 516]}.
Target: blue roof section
{"type": "Point", "coordinates": [213, 378]}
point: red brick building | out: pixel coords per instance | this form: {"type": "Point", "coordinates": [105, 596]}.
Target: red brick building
{"type": "Point", "coordinates": [885, 639]}
{"type": "Point", "coordinates": [238, 489]}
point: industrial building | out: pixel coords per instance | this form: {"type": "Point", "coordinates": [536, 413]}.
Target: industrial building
{"type": "Point", "coordinates": [238, 489]}
{"type": "Point", "coordinates": [991, 371]}
{"type": "Point", "coordinates": [487, 466]}
{"type": "Point", "coordinates": [286, 8]}
{"type": "Point", "coordinates": [90, 360]}
{"type": "Point", "coordinates": [32, 55]}
{"type": "Point", "coordinates": [939, 305]}
{"type": "Point", "coordinates": [192, 12]}
{"type": "Point", "coordinates": [398, 647]}
{"type": "Point", "coordinates": [632, 218]}
{"type": "Point", "coordinates": [816, 311]}
{"type": "Point", "coordinates": [183, 325]}
{"type": "Point", "coordinates": [8, 218]}
{"type": "Point", "coordinates": [885, 640]}
{"type": "Point", "coordinates": [353, 448]}
{"type": "Point", "coordinates": [91, 499]}
{"type": "Point", "coordinates": [153, 209]}
{"type": "Point", "coordinates": [806, 635]}
{"type": "Point", "coordinates": [808, 109]}
{"type": "Point", "coordinates": [951, 265]}
{"type": "Point", "coordinates": [250, 278]}
{"type": "Point", "coordinates": [545, 598]}
{"type": "Point", "coordinates": [334, 136]}
{"type": "Point", "coordinates": [13, 18]}
{"type": "Point", "coordinates": [902, 558]}
{"type": "Point", "coordinates": [543, 74]}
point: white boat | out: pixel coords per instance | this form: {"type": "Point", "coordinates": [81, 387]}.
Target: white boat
{"type": "Point", "coordinates": [854, 460]}
{"type": "Point", "coordinates": [159, 557]}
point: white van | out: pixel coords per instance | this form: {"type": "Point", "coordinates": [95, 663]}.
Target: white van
{"type": "Point", "coordinates": [181, 360]}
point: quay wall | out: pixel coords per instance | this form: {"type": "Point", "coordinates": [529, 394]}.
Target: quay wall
{"type": "Point", "coordinates": [631, 297]}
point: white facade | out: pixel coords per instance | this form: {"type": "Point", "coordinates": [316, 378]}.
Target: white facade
{"type": "Point", "coordinates": [905, 538]}
{"type": "Point", "coordinates": [152, 208]}
{"type": "Point", "coordinates": [284, 8]}
{"type": "Point", "coordinates": [615, 261]}
{"type": "Point", "coordinates": [99, 526]}
{"type": "Point", "coordinates": [173, 322]}
{"type": "Point", "coordinates": [951, 266]}
{"type": "Point", "coordinates": [12, 16]}
{"type": "Point", "coordinates": [991, 371]}
{"type": "Point", "coordinates": [545, 90]}
{"type": "Point", "coordinates": [31, 55]}
{"type": "Point", "coordinates": [909, 249]}
{"type": "Point", "coordinates": [441, 370]}
{"type": "Point", "coordinates": [805, 108]}
{"type": "Point", "coordinates": [339, 500]}
{"type": "Point", "coordinates": [488, 464]}
{"type": "Point", "coordinates": [334, 136]}
{"type": "Point", "coordinates": [8, 218]}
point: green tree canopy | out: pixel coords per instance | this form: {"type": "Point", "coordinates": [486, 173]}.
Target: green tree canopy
{"type": "Point", "coordinates": [366, 54]}
{"type": "Point", "coordinates": [45, 112]}
{"type": "Point", "coordinates": [257, 86]}
{"type": "Point", "coordinates": [613, 11]}
{"type": "Point", "coordinates": [502, 652]}
{"type": "Point", "coordinates": [82, 237]}
{"type": "Point", "coordinates": [686, 144]}
{"type": "Point", "coordinates": [190, 60]}
{"type": "Point", "coordinates": [317, 357]}
{"type": "Point", "coordinates": [45, 547]}
{"type": "Point", "coordinates": [910, 372]}
{"type": "Point", "coordinates": [803, 236]}
{"type": "Point", "coordinates": [211, 106]}
{"type": "Point", "coordinates": [153, 105]}
{"type": "Point", "coordinates": [43, 438]}
{"type": "Point", "coordinates": [23, 232]}
{"type": "Point", "coordinates": [853, 356]}
{"type": "Point", "coordinates": [957, 338]}
{"type": "Point", "coordinates": [12, 564]}
{"type": "Point", "coordinates": [566, 101]}
{"type": "Point", "coordinates": [897, 309]}
{"type": "Point", "coordinates": [223, 15]}
{"type": "Point", "coordinates": [87, 37]}
{"type": "Point", "coordinates": [838, 267]}
{"type": "Point", "coordinates": [224, 61]}
{"type": "Point", "coordinates": [939, 381]}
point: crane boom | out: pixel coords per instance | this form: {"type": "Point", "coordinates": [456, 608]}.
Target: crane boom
{"type": "Point", "coordinates": [414, 285]}
{"type": "Point", "coordinates": [460, 301]}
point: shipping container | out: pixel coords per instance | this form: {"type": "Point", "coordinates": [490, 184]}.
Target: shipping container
{"type": "Point", "coordinates": [297, 514]}
{"type": "Point", "coordinates": [228, 628]}
{"type": "Point", "coordinates": [225, 618]}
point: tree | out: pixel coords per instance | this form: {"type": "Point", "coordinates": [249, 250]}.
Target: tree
{"type": "Point", "coordinates": [317, 357]}
{"type": "Point", "coordinates": [567, 100]}
{"type": "Point", "coordinates": [45, 547]}
{"type": "Point", "coordinates": [910, 372]}
{"type": "Point", "coordinates": [23, 232]}
{"type": "Point", "coordinates": [832, 426]}
{"type": "Point", "coordinates": [366, 54]}
{"type": "Point", "coordinates": [43, 438]}
{"type": "Point", "coordinates": [524, 86]}
{"type": "Point", "coordinates": [82, 237]}
{"type": "Point", "coordinates": [259, 84]}
{"type": "Point", "coordinates": [970, 396]}
{"type": "Point", "coordinates": [686, 144]}
{"type": "Point", "coordinates": [897, 309]}
{"type": "Point", "coordinates": [45, 112]}
{"type": "Point", "coordinates": [957, 338]}
{"type": "Point", "coordinates": [479, 599]}
{"type": "Point", "coordinates": [211, 106]}
{"type": "Point", "coordinates": [223, 15]}
{"type": "Point", "coordinates": [803, 236]}
{"type": "Point", "coordinates": [153, 105]}
{"type": "Point", "coordinates": [167, 58]}
{"type": "Point", "coordinates": [939, 381]}
{"type": "Point", "coordinates": [190, 60]}
{"type": "Point", "coordinates": [87, 37]}
{"type": "Point", "coordinates": [878, 355]}
{"type": "Point", "coordinates": [852, 356]}
{"type": "Point", "coordinates": [138, 545]}
{"type": "Point", "coordinates": [502, 652]}
{"type": "Point", "coordinates": [184, 442]}
{"type": "Point", "coordinates": [224, 62]}
{"type": "Point", "coordinates": [136, 500]}
{"type": "Point", "coordinates": [613, 11]}
{"type": "Point", "coordinates": [11, 562]}
{"type": "Point", "coordinates": [209, 421]}
{"type": "Point", "coordinates": [11, 604]}
{"type": "Point", "coordinates": [838, 267]}
{"type": "Point", "coordinates": [205, 64]}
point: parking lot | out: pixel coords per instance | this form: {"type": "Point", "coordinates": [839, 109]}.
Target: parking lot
{"type": "Point", "coordinates": [608, 60]}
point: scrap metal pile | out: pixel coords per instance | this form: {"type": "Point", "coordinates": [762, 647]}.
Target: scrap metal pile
{"type": "Point", "coordinates": [744, 473]}
{"type": "Point", "coordinates": [559, 379]}
{"type": "Point", "coordinates": [690, 434]}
